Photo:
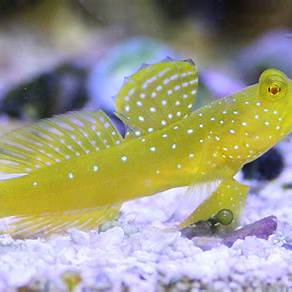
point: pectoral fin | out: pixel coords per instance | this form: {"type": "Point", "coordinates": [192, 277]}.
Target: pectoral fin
{"type": "Point", "coordinates": [230, 195]}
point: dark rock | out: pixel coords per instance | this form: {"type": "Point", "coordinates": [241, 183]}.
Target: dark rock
{"type": "Point", "coordinates": [201, 228]}
{"type": "Point", "coordinates": [267, 167]}
{"type": "Point", "coordinates": [262, 229]}
{"type": "Point", "coordinates": [15, 6]}
{"type": "Point", "coordinates": [206, 235]}
{"type": "Point", "coordinates": [60, 90]}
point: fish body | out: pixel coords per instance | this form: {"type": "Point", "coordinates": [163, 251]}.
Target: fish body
{"type": "Point", "coordinates": [76, 169]}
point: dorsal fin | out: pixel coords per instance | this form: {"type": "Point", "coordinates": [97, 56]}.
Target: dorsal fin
{"type": "Point", "coordinates": [55, 139]}
{"type": "Point", "coordinates": [158, 95]}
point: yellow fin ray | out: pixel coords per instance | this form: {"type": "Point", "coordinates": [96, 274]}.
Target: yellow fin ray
{"type": "Point", "coordinates": [46, 224]}
{"type": "Point", "coordinates": [158, 95]}
{"type": "Point", "coordinates": [55, 139]}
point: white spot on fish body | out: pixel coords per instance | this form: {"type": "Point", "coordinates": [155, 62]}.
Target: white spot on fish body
{"type": "Point", "coordinates": [70, 175]}
{"type": "Point", "coordinates": [174, 77]}
{"type": "Point", "coordinates": [131, 91]}
{"type": "Point", "coordinates": [124, 158]}
{"type": "Point", "coordinates": [166, 81]}
{"type": "Point", "coordinates": [95, 168]}
{"type": "Point", "coordinates": [267, 123]}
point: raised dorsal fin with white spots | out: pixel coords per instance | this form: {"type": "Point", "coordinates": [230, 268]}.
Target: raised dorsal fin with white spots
{"type": "Point", "coordinates": [55, 139]}
{"type": "Point", "coordinates": [158, 95]}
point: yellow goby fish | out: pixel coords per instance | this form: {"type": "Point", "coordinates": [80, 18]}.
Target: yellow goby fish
{"type": "Point", "coordinates": [76, 169]}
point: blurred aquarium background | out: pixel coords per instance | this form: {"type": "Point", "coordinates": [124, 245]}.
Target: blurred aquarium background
{"type": "Point", "coordinates": [64, 55]}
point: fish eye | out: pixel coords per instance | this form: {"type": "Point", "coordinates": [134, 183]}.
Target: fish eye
{"type": "Point", "coordinates": [274, 89]}
{"type": "Point", "coordinates": [273, 84]}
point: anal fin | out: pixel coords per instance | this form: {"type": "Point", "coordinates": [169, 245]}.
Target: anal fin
{"type": "Point", "coordinates": [46, 224]}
